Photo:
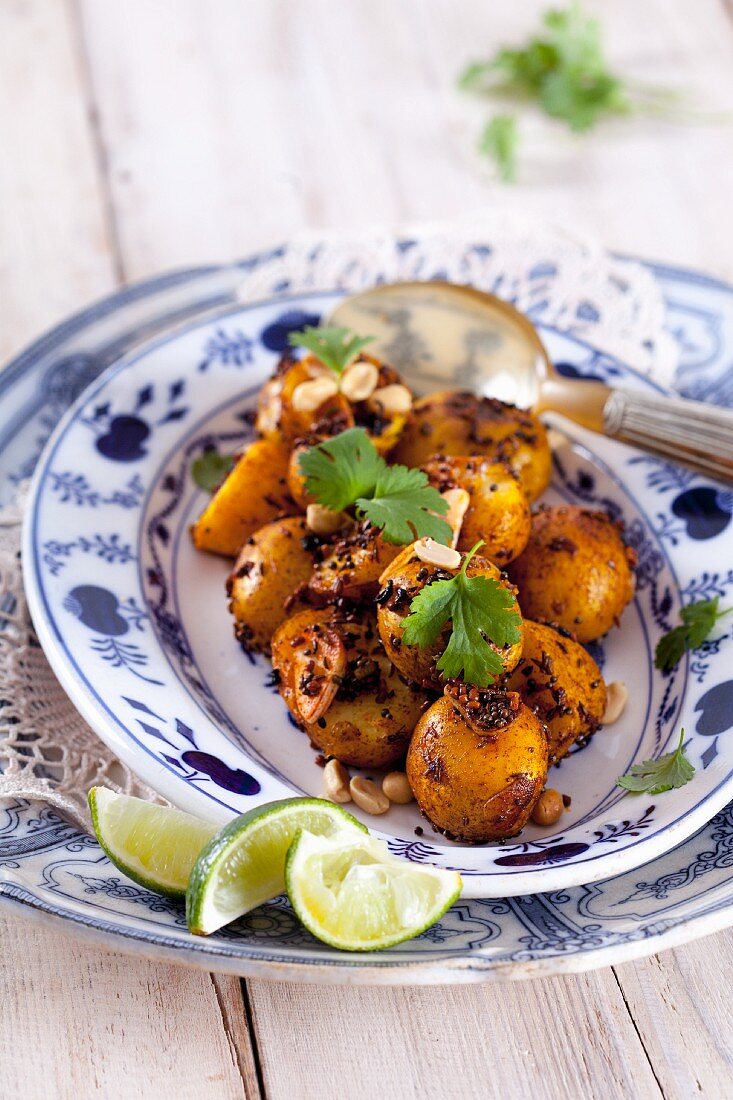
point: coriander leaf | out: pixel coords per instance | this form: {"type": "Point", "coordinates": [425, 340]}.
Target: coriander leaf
{"type": "Point", "coordinates": [403, 504]}
{"type": "Point", "coordinates": [671, 648]}
{"type": "Point", "coordinates": [335, 347]}
{"type": "Point", "coordinates": [657, 776]}
{"type": "Point", "coordinates": [342, 470]}
{"type": "Point", "coordinates": [210, 469]}
{"type": "Point", "coordinates": [698, 620]}
{"type": "Point", "coordinates": [347, 470]}
{"type": "Point", "coordinates": [480, 610]}
{"type": "Point", "coordinates": [430, 610]}
{"type": "Point", "coordinates": [499, 141]}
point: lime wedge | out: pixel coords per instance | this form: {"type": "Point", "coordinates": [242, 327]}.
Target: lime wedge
{"type": "Point", "coordinates": [352, 894]}
{"type": "Point", "coordinates": [243, 866]}
{"type": "Point", "coordinates": [155, 846]}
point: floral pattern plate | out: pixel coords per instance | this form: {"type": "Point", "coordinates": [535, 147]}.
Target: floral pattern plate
{"type": "Point", "coordinates": [131, 636]}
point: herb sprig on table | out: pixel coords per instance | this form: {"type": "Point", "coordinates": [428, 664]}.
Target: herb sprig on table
{"type": "Point", "coordinates": [335, 347]}
{"type": "Point", "coordinates": [563, 71]}
{"type": "Point", "coordinates": [480, 609]}
{"type": "Point", "coordinates": [347, 471]}
{"type": "Point", "coordinates": [657, 776]}
{"type": "Point", "coordinates": [698, 621]}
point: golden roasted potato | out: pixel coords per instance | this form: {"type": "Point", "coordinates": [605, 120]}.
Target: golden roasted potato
{"type": "Point", "coordinates": [253, 493]}
{"type": "Point", "coordinates": [273, 565]}
{"type": "Point", "coordinates": [457, 422]}
{"type": "Point", "coordinates": [562, 684]}
{"type": "Point", "coordinates": [353, 565]}
{"type": "Point", "coordinates": [342, 690]}
{"type": "Point", "coordinates": [277, 416]}
{"type": "Point", "coordinates": [575, 571]}
{"type": "Point", "coordinates": [401, 582]}
{"type": "Point", "coordinates": [383, 413]}
{"type": "Point", "coordinates": [477, 778]}
{"type": "Point", "coordinates": [498, 509]}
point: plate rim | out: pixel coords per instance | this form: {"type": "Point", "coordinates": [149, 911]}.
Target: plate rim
{"type": "Point", "coordinates": [688, 927]}
{"type": "Point", "coordinates": [477, 884]}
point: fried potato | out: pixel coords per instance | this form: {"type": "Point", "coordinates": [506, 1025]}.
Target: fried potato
{"type": "Point", "coordinates": [254, 493]}
{"type": "Point", "coordinates": [562, 684]}
{"type": "Point", "coordinates": [353, 565]}
{"type": "Point", "coordinates": [575, 571]}
{"type": "Point", "coordinates": [364, 714]}
{"type": "Point", "coordinates": [401, 582]}
{"type": "Point", "coordinates": [478, 779]}
{"type": "Point", "coordinates": [456, 422]}
{"type": "Point", "coordinates": [498, 509]}
{"type": "Point", "coordinates": [272, 566]}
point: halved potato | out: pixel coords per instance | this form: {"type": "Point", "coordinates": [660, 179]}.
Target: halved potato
{"type": "Point", "coordinates": [369, 718]}
{"type": "Point", "coordinates": [353, 565]}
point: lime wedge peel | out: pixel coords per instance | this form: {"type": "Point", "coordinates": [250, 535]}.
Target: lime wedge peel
{"type": "Point", "coordinates": [155, 846]}
{"type": "Point", "coordinates": [243, 866]}
{"type": "Point", "coordinates": [352, 894]}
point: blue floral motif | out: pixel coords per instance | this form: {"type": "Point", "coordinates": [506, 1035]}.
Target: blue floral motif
{"type": "Point", "coordinates": [230, 350]}
{"type": "Point", "coordinates": [75, 489]}
{"type": "Point", "coordinates": [121, 437]}
{"type": "Point", "coordinates": [275, 335]}
{"type": "Point", "coordinates": [108, 548]}
{"type": "Point", "coordinates": [101, 611]}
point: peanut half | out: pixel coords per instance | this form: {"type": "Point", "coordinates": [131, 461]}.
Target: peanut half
{"type": "Point", "coordinates": [336, 782]}
{"type": "Point", "coordinates": [616, 698]}
{"type": "Point", "coordinates": [434, 553]}
{"type": "Point", "coordinates": [367, 796]}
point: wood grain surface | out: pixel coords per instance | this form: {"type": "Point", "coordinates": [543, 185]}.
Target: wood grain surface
{"type": "Point", "coordinates": [143, 135]}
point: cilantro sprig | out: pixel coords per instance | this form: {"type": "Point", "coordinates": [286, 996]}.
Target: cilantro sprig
{"type": "Point", "coordinates": [336, 347]}
{"type": "Point", "coordinates": [347, 471]}
{"type": "Point", "coordinates": [657, 776]}
{"type": "Point", "coordinates": [698, 620]}
{"type": "Point", "coordinates": [210, 469]}
{"type": "Point", "coordinates": [481, 612]}
{"type": "Point", "coordinates": [563, 70]}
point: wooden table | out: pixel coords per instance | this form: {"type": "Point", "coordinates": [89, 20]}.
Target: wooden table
{"type": "Point", "coordinates": [149, 134]}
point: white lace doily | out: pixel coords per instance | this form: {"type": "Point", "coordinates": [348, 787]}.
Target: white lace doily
{"type": "Point", "coordinates": [46, 750]}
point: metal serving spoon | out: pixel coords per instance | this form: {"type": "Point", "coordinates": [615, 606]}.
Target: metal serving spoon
{"type": "Point", "coordinates": [444, 335]}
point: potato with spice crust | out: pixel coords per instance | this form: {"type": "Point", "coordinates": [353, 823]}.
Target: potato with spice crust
{"type": "Point", "coordinates": [477, 763]}
{"type": "Point", "coordinates": [401, 582]}
{"type": "Point", "coordinates": [457, 422]}
{"type": "Point", "coordinates": [576, 571]}
{"type": "Point", "coordinates": [353, 564]}
{"type": "Point", "coordinates": [342, 690]}
{"type": "Point", "coordinates": [254, 493]}
{"type": "Point", "coordinates": [498, 509]}
{"type": "Point", "coordinates": [272, 566]}
{"type": "Point", "coordinates": [559, 680]}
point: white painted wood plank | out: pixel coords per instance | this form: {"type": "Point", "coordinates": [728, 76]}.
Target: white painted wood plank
{"type": "Point", "coordinates": [567, 1038]}
{"type": "Point", "coordinates": [230, 131]}
{"type": "Point", "coordinates": [78, 1022]}
{"type": "Point", "coordinates": [54, 248]}
{"type": "Point", "coordinates": [680, 1001]}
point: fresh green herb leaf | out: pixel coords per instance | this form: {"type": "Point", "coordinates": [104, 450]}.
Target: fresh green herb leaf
{"type": "Point", "coordinates": [499, 140]}
{"type": "Point", "coordinates": [657, 776]}
{"type": "Point", "coordinates": [348, 471]}
{"type": "Point", "coordinates": [480, 610]}
{"type": "Point", "coordinates": [335, 347]}
{"type": "Point", "coordinates": [698, 620]}
{"type": "Point", "coordinates": [563, 70]}
{"type": "Point", "coordinates": [210, 469]}
{"type": "Point", "coordinates": [341, 470]}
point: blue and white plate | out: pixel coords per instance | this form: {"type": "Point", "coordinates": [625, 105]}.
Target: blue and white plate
{"type": "Point", "coordinates": [135, 625]}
